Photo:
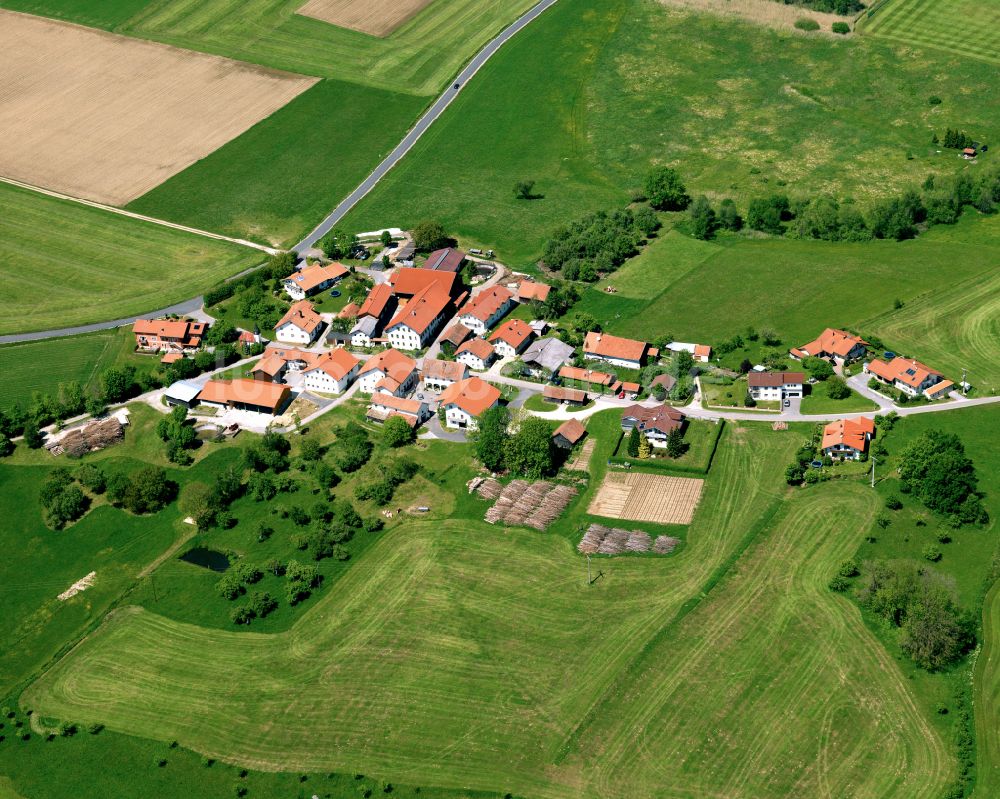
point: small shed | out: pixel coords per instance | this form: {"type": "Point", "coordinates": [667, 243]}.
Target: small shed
{"type": "Point", "coordinates": [568, 434]}
{"type": "Point", "coordinates": [570, 396]}
{"type": "Point", "coordinates": [183, 392]}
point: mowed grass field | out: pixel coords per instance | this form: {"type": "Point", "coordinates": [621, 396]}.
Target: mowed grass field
{"type": "Point", "coordinates": [66, 264]}
{"type": "Point", "coordinates": [417, 57]}
{"type": "Point", "coordinates": [697, 291]}
{"type": "Point", "coordinates": [456, 654]}
{"type": "Point", "coordinates": [968, 28]}
{"type": "Point", "coordinates": [42, 365]}
{"type": "Point", "coordinates": [739, 109]}
{"type": "Point", "coordinates": [276, 181]}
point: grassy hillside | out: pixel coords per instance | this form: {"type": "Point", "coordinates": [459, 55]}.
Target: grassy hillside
{"type": "Point", "coordinates": [968, 28]}
{"type": "Point", "coordinates": [481, 611]}
{"type": "Point", "coordinates": [418, 57]}
{"type": "Point", "coordinates": [739, 109]}
{"type": "Point", "coordinates": [76, 264]}
{"type": "Point", "coordinates": [277, 180]}
{"type": "Point", "coordinates": [698, 291]}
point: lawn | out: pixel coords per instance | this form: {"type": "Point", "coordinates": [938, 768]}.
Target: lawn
{"type": "Point", "coordinates": [277, 180]}
{"type": "Point", "coordinates": [418, 57]}
{"type": "Point", "coordinates": [741, 110]}
{"type": "Point", "coordinates": [943, 26]}
{"type": "Point", "coordinates": [817, 401]}
{"type": "Point", "coordinates": [93, 265]}
{"type": "Point", "coordinates": [700, 440]}
{"type": "Point", "coordinates": [945, 280]}
{"type": "Point", "coordinates": [42, 365]}
{"type": "Point", "coordinates": [428, 604]}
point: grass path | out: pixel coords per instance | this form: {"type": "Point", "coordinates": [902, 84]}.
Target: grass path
{"type": "Point", "coordinates": [459, 655]}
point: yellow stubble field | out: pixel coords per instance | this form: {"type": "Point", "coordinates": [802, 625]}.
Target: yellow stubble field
{"type": "Point", "coordinates": [106, 117]}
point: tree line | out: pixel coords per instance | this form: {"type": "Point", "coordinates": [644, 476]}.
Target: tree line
{"type": "Point", "coordinates": [525, 450]}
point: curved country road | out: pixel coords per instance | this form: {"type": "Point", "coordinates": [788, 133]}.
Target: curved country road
{"type": "Point", "coordinates": [422, 125]}
{"type": "Point", "coordinates": [338, 213]}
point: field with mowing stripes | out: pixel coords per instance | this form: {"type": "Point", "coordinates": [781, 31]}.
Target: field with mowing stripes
{"type": "Point", "coordinates": [969, 28]}
{"type": "Point", "coordinates": [431, 662]}
{"type": "Point", "coordinates": [75, 264]}
{"type": "Point", "coordinates": [42, 365]}
{"type": "Point", "coordinates": [418, 57]}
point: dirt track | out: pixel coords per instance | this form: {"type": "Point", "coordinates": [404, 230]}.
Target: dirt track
{"type": "Point", "coordinates": [107, 118]}
{"type": "Point", "coordinates": [377, 17]}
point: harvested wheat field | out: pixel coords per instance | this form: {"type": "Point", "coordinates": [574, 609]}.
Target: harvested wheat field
{"type": "Point", "coordinates": [377, 17]}
{"type": "Point", "coordinates": [647, 498]}
{"type": "Point", "coordinates": [107, 118]}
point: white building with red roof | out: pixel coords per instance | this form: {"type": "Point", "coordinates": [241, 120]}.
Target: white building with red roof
{"type": "Point", "coordinates": [301, 324]}
{"type": "Point", "coordinates": [332, 372]}
{"type": "Point", "coordinates": [465, 400]}
{"type": "Point", "coordinates": [313, 279]}
{"type": "Point", "coordinates": [390, 371]}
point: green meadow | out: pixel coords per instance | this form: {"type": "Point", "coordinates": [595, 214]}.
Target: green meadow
{"type": "Point", "coordinates": [77, 264]}
{"type": "Point", "coordinates": [740, 110]}
{"type": "Point", "coordinates": [960, 27]}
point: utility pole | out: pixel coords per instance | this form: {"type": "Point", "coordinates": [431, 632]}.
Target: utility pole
{"type": "Point", "coordinates": [589, 581]}
{"type": "Point", "coordinates": [873, 471]}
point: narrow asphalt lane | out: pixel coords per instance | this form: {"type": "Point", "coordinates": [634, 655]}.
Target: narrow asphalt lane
{"type": "Point", "coordinates": [418, 130]}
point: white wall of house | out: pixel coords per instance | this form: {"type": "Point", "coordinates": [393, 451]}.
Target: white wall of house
{"type": "Point", "coordinates": [456, 417]}
{"type": "Point", "coordinates": [290, 333]}
{"type": "Point", "coordinates": [842, 451]}
{"type": "Point", "coordinates": [437, 383]}
{"type": "Point", "coordinates": [593, 356]}
{"type": "Point", "coordinates": [474, 324]}
{"type": "Point", "coordinates": [402, 337]}
{"type": "Point", "coordinates": [361, 340]}
{"type": "Point", "coordinates": [504, 350]}
{"type": "Point", "coordinates": [776, 393]}
{"type": "Point", "coordinates": [472, 361]}
{"type": "Point", "coordinates": [318, 380]}
{"type": "Point", "coordinates": [368, 381]}
{"type": "Point", "coordinates": [294, 290]}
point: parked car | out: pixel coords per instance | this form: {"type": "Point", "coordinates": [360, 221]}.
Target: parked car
{"type": "Point", "coordinates": [788, 403]}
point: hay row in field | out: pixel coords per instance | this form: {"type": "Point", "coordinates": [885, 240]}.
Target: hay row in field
{"type": "Point", "coordinates": [107, 117]}
{"type": "Point", "coordinates": [522, 503]}
{"type": "Point", "coordinates": [377, 17]}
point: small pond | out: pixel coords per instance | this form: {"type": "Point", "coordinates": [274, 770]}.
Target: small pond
{"type": "Point", "coordinates": [206, 558]}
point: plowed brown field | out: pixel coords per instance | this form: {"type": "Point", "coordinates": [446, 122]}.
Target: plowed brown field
{"type": "Point", "coordinates": [377, 17]}
{"type": "Point", "coordinates": [107, 118]}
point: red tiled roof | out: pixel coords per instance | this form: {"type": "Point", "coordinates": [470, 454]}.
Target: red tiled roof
{"type": "Point", "coordinates": [774, 379]}
{"type": "Point", "coordinates": [337, 363]}
{"type": "Point", "coordinates": [514, 332]}
{"type": "Point", "coordinates": [309, 278]}
{"type": "Point", "coordinates": [390, 362]}
{"type": "Point", "coordinates": [830, 342]}
{"type": "Point", "coordinates": [422, 309]}
{"type": "Point", "coordinates": [853, 433]}
{"type": "Point", "coordinates": [906, 370]}
{"type": "Point", "coordinates": [486, 303]}
{"type": "Point", "coordinates": [608, 346]}
{"type": "Point", "coordinates": [702, 351]}
{"type": "Point", "coordinates": [473, 395]}
{"type": "Point", "coordinates": [444, 370]}
{"type": "Point", "coordinates": [303, 315]}
{"type": "Point", "coordinates": [244, 392]}
{"type": "Point", "coordinates": [586, 375]}
{"type": "Point", "coordinates": [564, 394]}
{"type": "Point", "coordinates": [348, 311]}
{"type": "Point", "coordinates": [456, 334]}
{"type": "Point", "coordinates": [376, 301]}
{"type": "Point", "coordinates": [571, 430]}
{"type": "Point", "coordinates": [163, 328]}
{"type": "Point", "coordinates": [530, 290]}
{"type": "Point", "coordinates": [408, 280]}
{"type": "Point", "coordinates": [391, 401]}
{"type": "Point", "coordinates": [479, 347]}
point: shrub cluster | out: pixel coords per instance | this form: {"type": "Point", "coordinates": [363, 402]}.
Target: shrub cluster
{"type": "Point", "coordinates": [936, 469]}
{"type": "Point", "coordinates": [527, 451]}
{"type": "Point", "coordinates": [599, 243]}
{"type": "Point", "coordinates": [62, 500]}
{"type": "Point", "coordinates": [353, 447]}
{"type": "Point", "coordinates": [934, 630]}
{"type": "Point", "coordinates": [394, 474]}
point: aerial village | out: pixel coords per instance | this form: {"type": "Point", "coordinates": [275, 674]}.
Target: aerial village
{"type": "Point", "coordinates": [438, 340]}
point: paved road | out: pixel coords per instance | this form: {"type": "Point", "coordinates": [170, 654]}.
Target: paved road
{"type": "Point", "coordinates": [422, 125]}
